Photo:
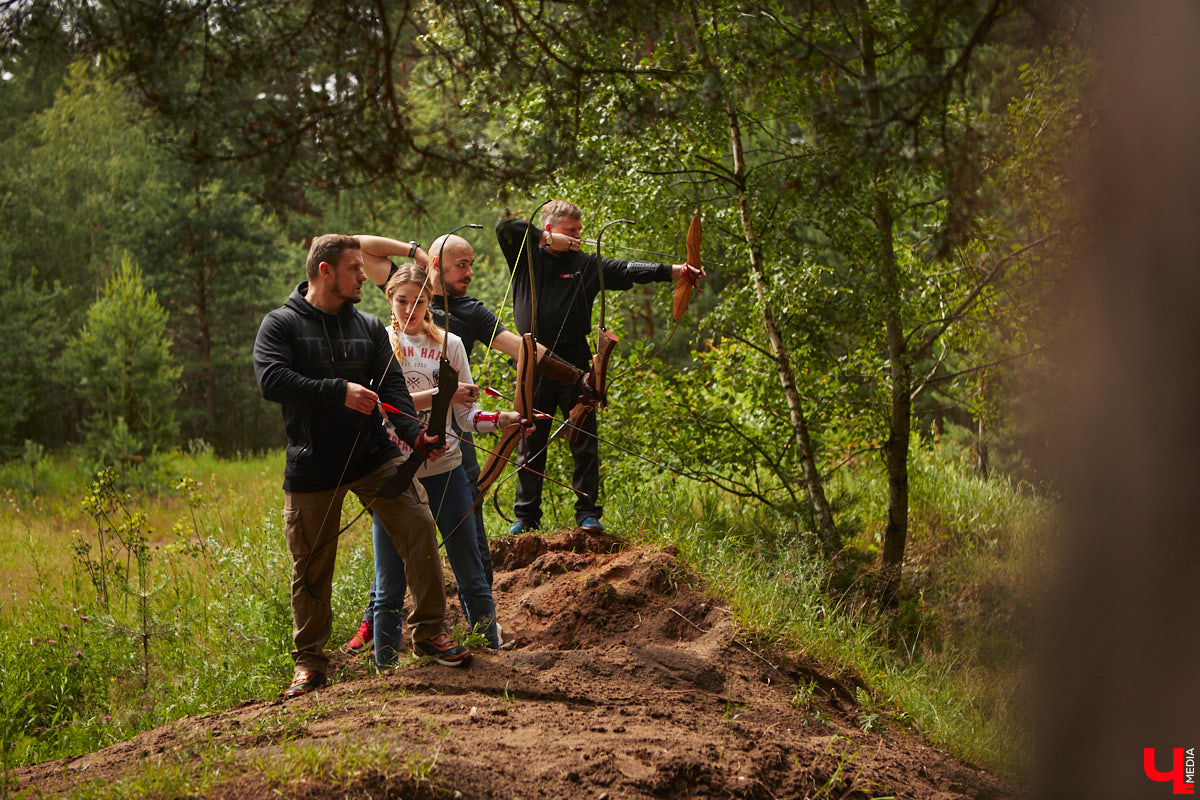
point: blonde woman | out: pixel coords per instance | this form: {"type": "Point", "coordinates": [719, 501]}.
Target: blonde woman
{"type": "Point", "coordinates": [419, 346]}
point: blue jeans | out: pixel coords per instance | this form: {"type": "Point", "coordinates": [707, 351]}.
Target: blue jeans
{"type": "Point", "coordinates": [470, 463]}
{"type": "Point", "coordinates": [450, 501]}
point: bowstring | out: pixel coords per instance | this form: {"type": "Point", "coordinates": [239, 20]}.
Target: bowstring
{"type": "Point", "coordinates": [346, 466]}
{"type": "Point", "coordinates": [528, 252]}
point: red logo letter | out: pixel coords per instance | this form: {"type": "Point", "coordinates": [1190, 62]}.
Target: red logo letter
{"type": "Point", "coordinates": [1175, 775]}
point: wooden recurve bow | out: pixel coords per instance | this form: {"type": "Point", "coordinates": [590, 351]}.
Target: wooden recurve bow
{"type": "Point", "coordinates": [447, 385]}
{"type": "Point", "coordinates": [523, 405]}
{"type": "Point", "coordinates": [684, 285]}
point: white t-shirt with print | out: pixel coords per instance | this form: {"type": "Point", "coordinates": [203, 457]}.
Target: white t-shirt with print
{"type": "Point", "coordinates": [419, 355]}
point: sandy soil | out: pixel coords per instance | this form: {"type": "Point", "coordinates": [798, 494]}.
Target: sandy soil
{"type": "Point", "coordinates": [627, 681]}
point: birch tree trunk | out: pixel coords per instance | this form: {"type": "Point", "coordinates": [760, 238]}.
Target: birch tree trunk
{"type": "Point", "coordinates": [826, 529]}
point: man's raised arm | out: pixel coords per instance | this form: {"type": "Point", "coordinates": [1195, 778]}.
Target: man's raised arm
{"type": "Point", "coordinates": [378, 252]}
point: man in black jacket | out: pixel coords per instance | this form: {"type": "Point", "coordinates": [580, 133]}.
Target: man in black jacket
{"type": "Point", "coordinates": [320, 357]}
{"type": "Point", "coordinates": [566, 282]}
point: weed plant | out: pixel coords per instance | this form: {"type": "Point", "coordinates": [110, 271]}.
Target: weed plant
{"type": "Point", "coordinates": [169, 603]}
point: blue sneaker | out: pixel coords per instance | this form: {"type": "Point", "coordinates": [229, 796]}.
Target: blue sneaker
{"type": "Point", "coordinates": [521, 526]}
{"type": "Point", "coordinates": [592, 525]}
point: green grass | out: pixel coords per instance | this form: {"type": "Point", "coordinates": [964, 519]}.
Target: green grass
{"type": "Point", "coordinates": [207, 624]}
{"type": "Point", "coordinates": [203, 766]}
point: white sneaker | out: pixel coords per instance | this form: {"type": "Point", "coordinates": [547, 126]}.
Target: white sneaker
{"type": "Point", "coordinates": [509, 645]}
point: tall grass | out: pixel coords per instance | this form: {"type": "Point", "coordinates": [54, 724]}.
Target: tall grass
{"type": "Point", "coordinates": [79, 673]}
{"type": "Point", "coordinates": [193, 614]}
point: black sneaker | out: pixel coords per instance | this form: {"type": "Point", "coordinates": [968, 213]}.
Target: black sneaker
{"type": "Point", "coordinates": [443, 650]}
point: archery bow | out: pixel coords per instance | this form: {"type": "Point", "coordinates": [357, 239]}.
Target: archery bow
{"type": "Point", "coordinates": [565, 425]}
{"type": "Point", "coordinates": [523, 405]}
{"type": "Point", "coordinates": [440, 406]}
{"type": "Point", "coordinates": [686, 283]}
{"type": "Point", "coordinates": [597, 378]}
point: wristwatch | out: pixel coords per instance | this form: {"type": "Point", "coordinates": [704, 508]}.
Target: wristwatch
{"type": "Point", "coordinates": [549, 238]}
{"type": "Point", "coordinates": [412, 252]}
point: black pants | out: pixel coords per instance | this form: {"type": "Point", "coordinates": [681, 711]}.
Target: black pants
{"type": "Point", "coordinates": [556, 398]}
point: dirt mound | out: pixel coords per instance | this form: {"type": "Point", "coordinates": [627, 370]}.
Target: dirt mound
{"type": "Point", "coordinates": [627, 682]}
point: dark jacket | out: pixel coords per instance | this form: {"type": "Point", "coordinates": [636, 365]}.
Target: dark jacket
{"type": "Point", "coordinates": [303, 359]}
{"type": "Point", "coordinates": [566, 286]}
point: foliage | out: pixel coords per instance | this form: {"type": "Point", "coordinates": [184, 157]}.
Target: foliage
{"type": "Point", "coordinates": [89, 182]}
{"type": "Point", "coordinates": [97, 177]}
{"type": "Point", "coordinates": [188, 617]}
{"type": "Point", "coordinates": [121, 361]}
{"type": "Point", "coordinates": [28, 336]}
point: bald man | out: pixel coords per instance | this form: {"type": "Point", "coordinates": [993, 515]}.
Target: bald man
{"type": "Point", "coordinates": [450, 262]}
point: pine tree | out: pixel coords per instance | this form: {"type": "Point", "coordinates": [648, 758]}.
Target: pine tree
{"type": "Point", "coordinates": [123, 366]}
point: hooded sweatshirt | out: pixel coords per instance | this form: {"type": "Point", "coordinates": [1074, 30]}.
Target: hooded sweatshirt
{"type": "Point", "coordinates": [303, 359]}
{"type": "Point", "coordinates": [566, 285]}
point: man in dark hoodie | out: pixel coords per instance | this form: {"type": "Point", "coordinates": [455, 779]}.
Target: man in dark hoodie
{"type": "Point", "coordinates": [567, 283]}
{"type": "Point", "coordinates": [330, 365]}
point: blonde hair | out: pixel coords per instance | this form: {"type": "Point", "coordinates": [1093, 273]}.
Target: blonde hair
{"type": "Point", "coordinates": [411, 274]}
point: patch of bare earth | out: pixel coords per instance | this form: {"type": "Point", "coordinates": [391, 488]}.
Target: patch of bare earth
{"type": "Point", "coordinates": [626, 682]}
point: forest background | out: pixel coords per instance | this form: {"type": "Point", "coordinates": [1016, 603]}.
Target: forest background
{"type": "Point", "coordinates": [886, 189]}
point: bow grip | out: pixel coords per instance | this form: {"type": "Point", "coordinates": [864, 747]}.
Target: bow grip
{"type": "Point", "coordinates": [606, 343]}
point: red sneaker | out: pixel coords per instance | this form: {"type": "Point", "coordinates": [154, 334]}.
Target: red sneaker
{"type": "Point", "coordinates": [361, 641]}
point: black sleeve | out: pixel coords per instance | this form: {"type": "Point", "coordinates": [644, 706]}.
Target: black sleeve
{"type": "Point", "coordinates": [391, 272]}
{"type": "Point", "coordinates": [625, 274]}
{"type": "Point", "coordinates": [511, 233]}
{"type": "Point", "coordinates": [485, 325]}
{"type": "Point", "coordinates": [277, 381]}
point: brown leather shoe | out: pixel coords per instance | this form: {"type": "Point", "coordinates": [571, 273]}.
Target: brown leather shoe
{"type": "Point", "coordinates": [442, 649]}
{"type": "Point", "coordinates": [303, 682]}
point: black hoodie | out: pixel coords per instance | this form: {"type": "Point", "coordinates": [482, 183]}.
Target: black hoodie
{"type": "Point", "coordinates": [303, 358]}
{"type": "Point", "coordinates": [567, 285]}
